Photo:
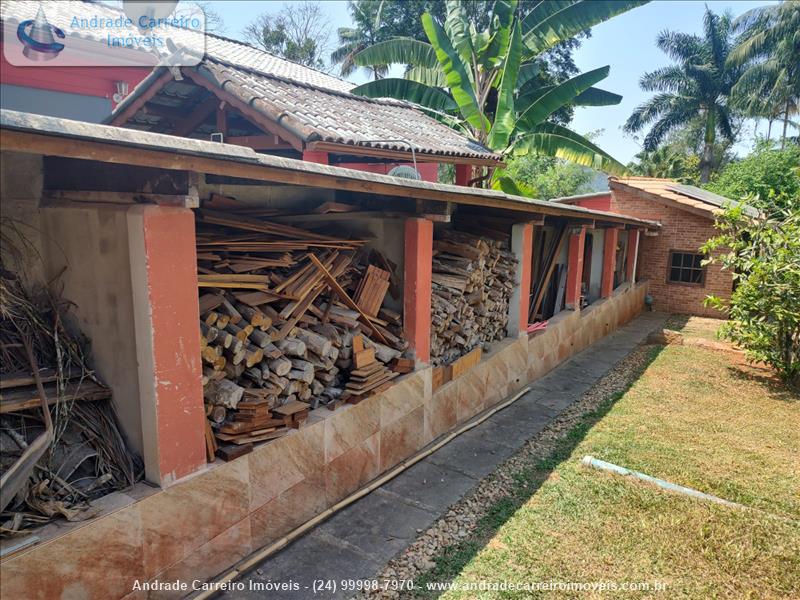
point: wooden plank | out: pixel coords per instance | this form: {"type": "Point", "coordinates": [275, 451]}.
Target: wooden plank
{"type": "Point", "coordinates": [465, 363]}
{"type": "Point", "coordinates": [343, 295]}
{"type": "Point", "coordinates": [228, 452]}
{"type": "Point", "coordinates": [291, 408]}
{"type": "Point", "coordinates": [364, 358]}
{"type": "Point", "coordinates": [25, 398]}
{"type": "Point", "coordinates": [540, 292]}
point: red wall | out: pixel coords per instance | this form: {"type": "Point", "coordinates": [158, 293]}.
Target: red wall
{"type": "Point", "coordinates": [88, 81]}
{"type": "Point", "coordinates": [601, 201]}
{"type": "Point", "coordinates": [429, 171]}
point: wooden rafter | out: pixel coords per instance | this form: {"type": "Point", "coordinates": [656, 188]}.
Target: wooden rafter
{"type": "Point", "coordinates": [247, 111]}
{"type": "Point", "coordinates": [129, 111]}
{"type": "Point", "coordinates": [196, 118]}
{"type": "Point", "coordinates": [260, 142]}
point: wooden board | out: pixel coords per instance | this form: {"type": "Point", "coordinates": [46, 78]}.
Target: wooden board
{"type": "Point", "coordinates": [465, 363]}
{"type": "Point", "coordinates": [439, 377]}
{"type": "Point", "coordinates": [389, 376]}
{"type": "Point", "coordinates": [230, 451]}
{"type": "Point", "coordinates": [291, 408]}
{"type": "Point", "coordinates": [23, 398]}
{"type": "Point", "coordinates": [372, 290]}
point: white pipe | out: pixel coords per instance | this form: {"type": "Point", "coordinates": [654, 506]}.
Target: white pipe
{"type": "Point", "coordinates": [602, 465]}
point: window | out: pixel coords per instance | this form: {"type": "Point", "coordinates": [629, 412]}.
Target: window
{"type": "Point", "coordinates": [686, 268]}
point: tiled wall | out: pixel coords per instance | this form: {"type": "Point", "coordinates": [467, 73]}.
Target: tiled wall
{"type": "Point", "coordinates": [199, 527]}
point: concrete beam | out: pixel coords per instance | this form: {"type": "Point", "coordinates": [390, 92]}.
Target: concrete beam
{"type": "Point", "coordinates": [417, 272]}
{"type": "Point", "coordinates": [609, 261]}
{"type": "Point", "coordinates": [519, 305]}
{"type": "Point", "coordinates": [166, 312]}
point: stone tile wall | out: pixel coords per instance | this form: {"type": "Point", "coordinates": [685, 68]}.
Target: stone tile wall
{"type": "Point", "coordinates": [201, 526]}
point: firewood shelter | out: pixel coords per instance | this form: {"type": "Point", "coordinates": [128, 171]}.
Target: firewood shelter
{"type": "Point", "coordinates": [356, 318]}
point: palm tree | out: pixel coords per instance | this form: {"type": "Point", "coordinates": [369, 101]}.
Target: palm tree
{"type": "Point", "coordinates": [769, 48]}
{"type": "Point", "coordinates": [354, 39]}
{"type": "Point", "coordinates": [485, 82]}
{"type": "Point", "coordinates": [664, 163]}
{"type": "Point", "coordinates": [700, 83]}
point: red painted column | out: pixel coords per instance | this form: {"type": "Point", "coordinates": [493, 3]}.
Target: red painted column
{"type": "Point", "coordinates": [519, 304]}
{"type": "Point", "coordinates": [609, 261]}
{"type": "Point", "coordinates": [417, 287]}
{"type": "Point", "coordinates": [463, 174]}
{"type": "Point", "coordinates": [633, 250]}
{"type": "Point", "coordinates": [575, 267]}
{"type": "Point", "coordinates": [317, 157]}
{"type": "Point", "coordinates": [166, 313]}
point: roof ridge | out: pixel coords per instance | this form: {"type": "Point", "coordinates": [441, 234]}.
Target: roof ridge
{"type": "Point", "coordinates": [305, 84]}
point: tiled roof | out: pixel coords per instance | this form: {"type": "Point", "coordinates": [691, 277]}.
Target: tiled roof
{"type": "Point", "coordinates": [318, 106]}
{"type": "Point", "coordinates": [104, 138]}
{"type": "Point", "coordinates": [686, 195]}
{"type": "Point", "coordinates": [320, 115]}
{"type": "Point", "coordinates": [61, 12]}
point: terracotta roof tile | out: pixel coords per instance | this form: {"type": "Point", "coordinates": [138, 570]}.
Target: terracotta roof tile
{"type": "Point", "coordinates": [686, 195]}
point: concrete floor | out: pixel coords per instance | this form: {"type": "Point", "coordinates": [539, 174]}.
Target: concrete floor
{"type": "Point", "coordinates": [358, 541]}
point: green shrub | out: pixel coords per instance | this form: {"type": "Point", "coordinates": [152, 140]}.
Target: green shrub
{"type": "Point", "coordinates": [770, 176]}
{"type": "Point", "coordinates": [763, 254]}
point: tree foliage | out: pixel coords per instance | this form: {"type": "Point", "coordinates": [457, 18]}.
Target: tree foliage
{"type": "Point", "coordinates": [666, 162]}
{"type": "Point", "coordinates": [771, 177]}
{"type": "Point", "coordinates": [546, 178]}
{"type": "Point", "coordinates": [490, 63]}
{"type": "Point", "coordinates": [769, 50]}
{"type": "Point", "coordinates": [299, 32]}
{"type": "Point", "coordinates": [699, 82]}
{"type": "Point", "coordinates": [763, 255]}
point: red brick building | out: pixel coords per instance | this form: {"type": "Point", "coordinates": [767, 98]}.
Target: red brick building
{"type": "Point", "coordinates": [670, 259]}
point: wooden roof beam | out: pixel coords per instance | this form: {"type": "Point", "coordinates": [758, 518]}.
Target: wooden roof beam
{"type": "Point", "coordinates": [137, 103]}
{"type": "Point", "coordinates": [245, 109]}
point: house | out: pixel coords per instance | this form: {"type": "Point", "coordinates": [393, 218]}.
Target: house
{"type": "Point", "coordinates": [111, 213]}
{"type": "Point", "coordinates": [242, 95]}
{"type": "Point", "coordinates": [671, 258]}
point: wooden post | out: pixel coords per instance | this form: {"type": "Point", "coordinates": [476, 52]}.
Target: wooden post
{"type": "Point", "coordinates": [577, 240]}
{"type": "Point", "coordinates": [417, 287]}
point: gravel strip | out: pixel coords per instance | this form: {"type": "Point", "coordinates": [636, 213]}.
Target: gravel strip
{"type": "Point", "coordinates": [462, 518]}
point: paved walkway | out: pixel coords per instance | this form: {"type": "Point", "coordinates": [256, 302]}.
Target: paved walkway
{"type": "Point", "coordinates": [358, 541]}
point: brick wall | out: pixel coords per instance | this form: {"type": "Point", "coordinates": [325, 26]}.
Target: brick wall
{"type": "Point", "coordinates": [681, 230]}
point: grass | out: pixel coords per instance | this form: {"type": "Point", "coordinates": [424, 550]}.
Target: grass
{"type": "Point", "coordinates": [696, 417]}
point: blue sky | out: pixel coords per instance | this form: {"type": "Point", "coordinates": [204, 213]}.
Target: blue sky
{"type": "Point", "coordinates": [626, 42]}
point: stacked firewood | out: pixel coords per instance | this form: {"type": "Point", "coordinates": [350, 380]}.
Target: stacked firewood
{"type": "Point", "coordinates": [280, 310]}
{"type": "Point", "coordinates": [473, 279]}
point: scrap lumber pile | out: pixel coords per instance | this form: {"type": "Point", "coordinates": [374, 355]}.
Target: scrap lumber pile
{"type": "Point", "coordinates": [60, 444]}
{"type": "Point", "coordinates": [473, 278]}
{"type": "Point", "coordinates": [288, 317]}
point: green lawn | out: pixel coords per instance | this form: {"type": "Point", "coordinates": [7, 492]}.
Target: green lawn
{"type": "Point", "coordinates": [696, 417]}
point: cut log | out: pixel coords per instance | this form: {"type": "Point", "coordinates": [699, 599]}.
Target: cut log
{"type": "Point", "coordinates": [223, 393]}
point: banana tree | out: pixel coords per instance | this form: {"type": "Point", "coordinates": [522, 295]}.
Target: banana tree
{"type": "Point", "coordinates": [488, 84]}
